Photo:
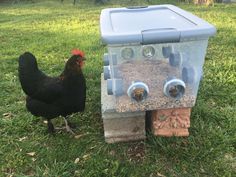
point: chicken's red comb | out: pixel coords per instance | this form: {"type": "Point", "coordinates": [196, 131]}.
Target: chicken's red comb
{"type": "Point", "coordinates": [77, 52]}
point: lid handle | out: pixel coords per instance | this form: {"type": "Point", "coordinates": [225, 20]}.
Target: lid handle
{"type": "Point", "coordinates": [162, 35]}
{"type": "Point", "coordinates": [136, 7]}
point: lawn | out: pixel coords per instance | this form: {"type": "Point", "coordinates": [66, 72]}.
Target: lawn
{"type": "Point", "coordinates": [50, 30]}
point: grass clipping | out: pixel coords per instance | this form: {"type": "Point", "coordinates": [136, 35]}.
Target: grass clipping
{"type": "Point", "coordinates": [154, 73]}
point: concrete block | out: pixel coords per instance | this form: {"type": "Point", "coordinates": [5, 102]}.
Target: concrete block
{"type": "Point", "coordinates": [120, 127]}
{"type": "Point", "coordinates": [124, 129]}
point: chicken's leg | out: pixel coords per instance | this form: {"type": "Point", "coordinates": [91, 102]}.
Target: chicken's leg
{"type": "Point", "coordinates": [68, 127]}
{"type": "Point", "coordinates": [50, 126]}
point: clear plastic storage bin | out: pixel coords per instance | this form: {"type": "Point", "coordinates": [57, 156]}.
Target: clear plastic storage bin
{"type": "Point", "coordinates": [155, 56]}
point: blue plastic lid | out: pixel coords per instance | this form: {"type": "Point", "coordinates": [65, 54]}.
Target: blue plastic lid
{"type": "Point", "coordinates": [152, 24]}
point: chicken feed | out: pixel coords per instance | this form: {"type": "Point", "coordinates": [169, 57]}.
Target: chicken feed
{"type": "Point", "coordinates": [154, 73]}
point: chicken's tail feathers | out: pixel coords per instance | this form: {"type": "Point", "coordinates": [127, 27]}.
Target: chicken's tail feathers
{"type": "Point", "coordinates": [29, 74]}
{"type": "Point", "coordinates": [28, 61]}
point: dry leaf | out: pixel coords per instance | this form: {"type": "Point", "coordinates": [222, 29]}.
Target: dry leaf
{"type": "Point", "coordinates": [31, 154]}
{"type": "Point", "coordinates": [8, 115]}
{"type": "Point", "coordinates": [86, 156]}
{"type": "Point", "coordinates": [77, 173]}
{"type": "Point", "coordinates": [112, 152]}
{"type": "Point", "coordinates": [78, 136]}
{"type": "Point", "coordinates": [93, 147]}
{"type": "Point", "coordinates": [23, 138]}
{"type": "Point", "coordinates": [160, 175]}
{"type": "Point", "coordinates": [45, 121]}
{"type": "Point", "coordinates": [76, 160]}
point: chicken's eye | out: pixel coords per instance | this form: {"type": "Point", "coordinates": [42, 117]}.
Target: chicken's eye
{"type": "Point", "coordinates": [77, 62]}
{"type": "Point", "coordinates": [80, 63]}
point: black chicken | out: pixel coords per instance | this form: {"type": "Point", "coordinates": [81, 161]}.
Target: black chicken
{"type": "Point", "coordinates": [50, 97]}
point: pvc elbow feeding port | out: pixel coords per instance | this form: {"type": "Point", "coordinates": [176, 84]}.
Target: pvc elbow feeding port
{"type": "Point", "coordinates": [106, 59]}
{"type": "Point", "coordinates": [138, 91]}
{"type": "Point", "coordinates": [189, 74]}
{"type": "Point", "coordinates": [115, 87]}
{"type": "Point", "coordinates": [166, 51]}
{"type": "Point", "coordinates": [109, 87]}
{"type": "Point", "coordinates": [174, 88]}
{"type": "Point", "coordinates": [107, 72]}
{"type": "Point", "coordinates": [175, 59]}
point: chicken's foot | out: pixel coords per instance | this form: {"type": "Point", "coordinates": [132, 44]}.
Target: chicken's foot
{"type": "Point", "coordinates": [67, 126]}
{"type": "Point", "coordinates": [68, 129]}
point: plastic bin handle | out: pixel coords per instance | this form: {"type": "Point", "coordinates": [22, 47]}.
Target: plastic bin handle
{"type": "Point", "coordinates": [136, 7]}
{"type": "Point", "coordinates": [162, 35]}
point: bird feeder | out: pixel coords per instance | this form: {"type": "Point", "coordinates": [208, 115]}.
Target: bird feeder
{"type": "Point", "coordinates": [155, 56]}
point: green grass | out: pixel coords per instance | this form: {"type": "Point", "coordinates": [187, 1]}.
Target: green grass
{"type": "Point", "coordinates": [50, 30]}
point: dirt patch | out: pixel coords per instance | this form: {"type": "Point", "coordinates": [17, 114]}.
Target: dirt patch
{"type": "Point", "coordinates": [136, 152]}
